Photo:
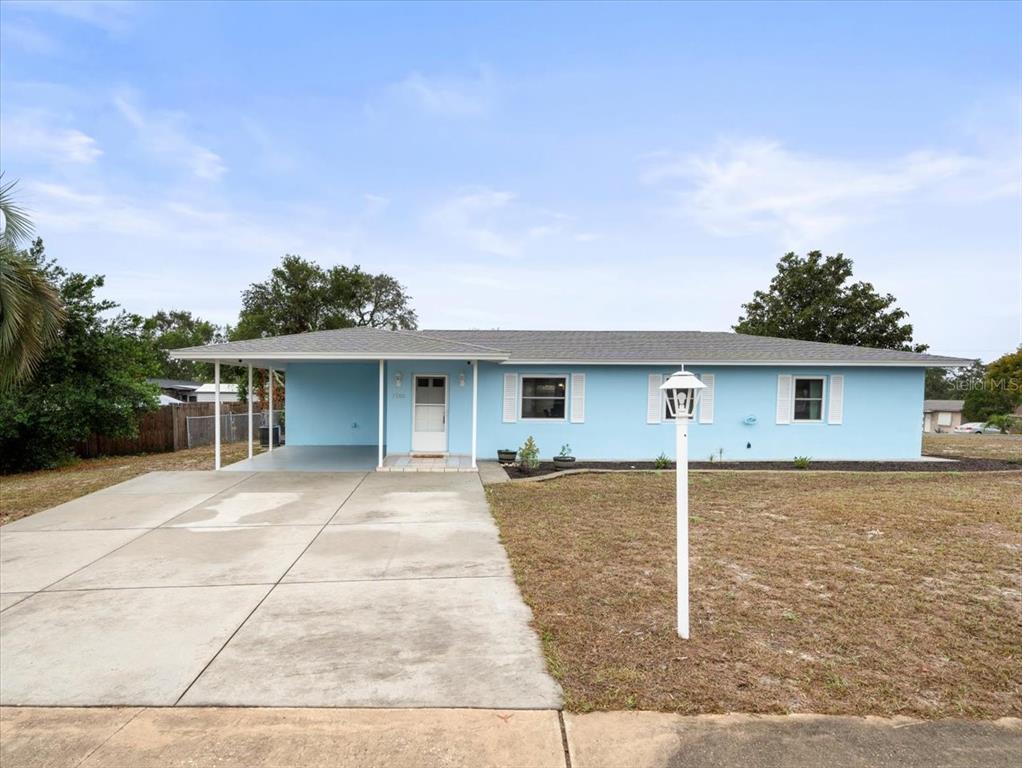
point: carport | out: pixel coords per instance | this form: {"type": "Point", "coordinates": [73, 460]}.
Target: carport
{"type": "Point", "coordinates": [358, 398]}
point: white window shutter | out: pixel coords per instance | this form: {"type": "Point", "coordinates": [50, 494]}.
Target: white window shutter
{"type": "Point", "coordinates": [784, 398]}
{"type": "Point", "coordinates": [706, 399]}
{"type": "Point", "coordinates": [578, 398]}
{"type": "Point", "coordinates": [654, 399]}
{"type": "Point", "coordinates": [836, 405]}
{"type": "Point", "coordinates": [510, 397]}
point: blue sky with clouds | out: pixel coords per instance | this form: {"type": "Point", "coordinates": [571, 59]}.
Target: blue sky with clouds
{"type": "Point", "coordinates": [558, 166]}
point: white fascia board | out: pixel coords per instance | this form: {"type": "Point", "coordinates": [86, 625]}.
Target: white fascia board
{"type": "Point", "coordinates": [328, 356]}
{"type": "Point", "coordinates": [784, 363]}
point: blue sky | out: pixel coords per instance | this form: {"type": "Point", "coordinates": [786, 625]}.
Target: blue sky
{"type": "Point", "coordinates": [529, 166]}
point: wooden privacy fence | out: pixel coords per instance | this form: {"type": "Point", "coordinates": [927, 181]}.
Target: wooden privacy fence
{"type": "Point", "coordinates": [159, 431]}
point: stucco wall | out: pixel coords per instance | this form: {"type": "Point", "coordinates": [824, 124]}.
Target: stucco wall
{"type": "Point", "coordinates": [881, 412]}
{"type": "Point", "coordinates": [881, 416]}
{"type": "Point", "coordinates": [331, 403]}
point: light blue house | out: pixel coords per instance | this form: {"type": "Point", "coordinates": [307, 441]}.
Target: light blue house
{"type": "Point", "coordinates": [384, 395]}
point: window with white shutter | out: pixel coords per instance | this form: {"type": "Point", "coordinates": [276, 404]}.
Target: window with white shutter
{"type": "Point", "coordinates": [578, 398]}
{"type": "Point", "coordinates": [784, 395]}
{"type": "Point", "coordinates": [836, 406]}
{"type": "Point", "coordinates": [653, 398]}
{"type": "Point", "coordinates": [706, 399]}
{"type": "Point", "coordinates": [510, 397]}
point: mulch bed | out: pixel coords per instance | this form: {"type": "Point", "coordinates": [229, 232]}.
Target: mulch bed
{"type": "Point", "coordinates": [960, 464]}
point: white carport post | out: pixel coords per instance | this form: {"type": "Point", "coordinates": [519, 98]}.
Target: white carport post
{"type": "Point", "coordinates": [270, 441]}
{"type": "Point", "coordinates": [379, 430]}
{"type": "Point", "coordinates": [251, 397]}
{"type": "Point", "coordinates": [475, 397]}
{"type": "Point", "coordinates": [216, 415]}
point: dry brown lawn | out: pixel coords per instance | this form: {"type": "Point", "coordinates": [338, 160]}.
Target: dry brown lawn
{"type": "Point", "coordinates": [840, 593]}
{"type": "Point", "coordinates": [30, 492]}
{"type": "Point", "coordinates": [974, 446]}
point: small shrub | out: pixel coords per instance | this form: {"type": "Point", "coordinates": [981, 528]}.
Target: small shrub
{"type": "Point", "coordinates": [1003, 421]}
{"type": "Point", "coordinates": [528, 455]}
{"type": "Point", "coordinates": [661, 461]}
{"type": "Point", "coordinates": [802, 462]}
{"type": "Point", "coordinates": [565, 451]}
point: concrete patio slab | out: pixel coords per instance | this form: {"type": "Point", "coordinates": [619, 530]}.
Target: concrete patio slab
{"type": "Point", "coordinates": [310, 458]}
{"type": "Point", "coordinates": [115, 647]}
{"type": "Point", "coordinates": [662, 740]}
{"type": "Point", "coordinates": [111, 511]}
{"type": "Point", "coordinates": [412, 550]}
{"type": "Point", "coordinates": [244, 507]}
{"type": "Point", "coordinates": [32, 560]}
{"type": "Point", "coordinates": [168, 481]}
{"type": "Point", "coordinates": [56, 738]}
{"type": "Point", "coordinates": [7, 599]}
{"type": "Point", "coordinates": [186, 557]}
{"type": "Point", "coordinates": [417, 643]}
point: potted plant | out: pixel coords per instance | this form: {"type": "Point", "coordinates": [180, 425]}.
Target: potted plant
{"type": "Point", "coordinates": [507, 455]}
{"type": "Point", "coordinates": [564, 460]}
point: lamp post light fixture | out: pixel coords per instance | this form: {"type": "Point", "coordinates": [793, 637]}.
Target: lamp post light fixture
{"type": "Point", "coordinates": [682, 390]}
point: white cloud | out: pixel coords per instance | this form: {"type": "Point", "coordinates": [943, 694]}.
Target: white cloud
{"type": "Point", "coordinates": [472, 218]}
{"type": "Point", "coordinates": [496, 222]}
{"type": "Point", "coordinates": [756, 186]}
{"type": "Point", "coordinates": [28, 38]}
{"type": "Point", "coordinates": [374, 204]}
{"type": "Point", "coordinates": [110, 15]}
{"type": "Point", "coordinates": [164, 134]}
{"type": "Point", "coordinates": [449, 96]}
{"type": "Point", "coordinates": [32, 134]}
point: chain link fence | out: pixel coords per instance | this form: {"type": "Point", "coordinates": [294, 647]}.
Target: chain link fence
{"type": "Point", "coordinates": [233, 427]}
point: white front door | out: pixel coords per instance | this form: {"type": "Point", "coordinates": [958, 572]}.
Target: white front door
{"type": "Point", "coordinates": [429, 420]}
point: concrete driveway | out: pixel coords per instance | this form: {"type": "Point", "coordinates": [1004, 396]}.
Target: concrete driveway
{"type": "Point", "coordinates": [267, 589]}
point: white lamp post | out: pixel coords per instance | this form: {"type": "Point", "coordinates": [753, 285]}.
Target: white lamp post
{"type": "Point", "coordinates": [682, 389]}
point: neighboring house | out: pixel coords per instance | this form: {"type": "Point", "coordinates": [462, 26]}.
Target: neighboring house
{"type": "Point", "coordinates": [941, 415]}
{"type": "Point", "coordinates": [474, 392]}
{"type": "Point", "coordinates": [168, 400]}
{"type": "Point", "coordinates": [206, 393]}
{"type": "Point", "coordinates": [180, 390]}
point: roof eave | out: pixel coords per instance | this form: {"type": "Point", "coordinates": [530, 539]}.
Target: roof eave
{"type": "Point", "coordinates": [212, 356]}
{"type": "Point", "coordinates": [945, 363]}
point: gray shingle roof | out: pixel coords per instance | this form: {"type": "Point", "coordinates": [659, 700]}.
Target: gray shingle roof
{"type": "Point", "coordinates": [954, 406]}
{"type": "Point", "coordinates": [367, 343]}
{"type": "Point", "coordinates": [662, 347]}
{"type": "Point", "coordinates": [679, 347]}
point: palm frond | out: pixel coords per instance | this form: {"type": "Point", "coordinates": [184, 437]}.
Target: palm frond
{"type": "Point", "coordinates": [18, 227]}
{"type": "Point", "coordinates": [31, 312]}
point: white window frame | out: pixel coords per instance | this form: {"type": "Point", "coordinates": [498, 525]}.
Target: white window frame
{"type": "Point", "coordinates": [795, 378]}
{"type": "Point", "coordinates": [521, 395]}
{"type": "Point", "coordinates": [944, 418]}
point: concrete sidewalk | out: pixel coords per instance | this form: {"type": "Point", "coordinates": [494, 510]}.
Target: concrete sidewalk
{"type": "Point", "coordinates": [480, 738]}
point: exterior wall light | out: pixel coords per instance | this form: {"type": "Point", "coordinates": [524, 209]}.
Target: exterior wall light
{"type": "Point", "coordinates": [397, 380]}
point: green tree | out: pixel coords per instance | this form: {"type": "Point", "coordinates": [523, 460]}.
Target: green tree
{"type": "Point", "coordinates": [301, 296]}
{"type": "Point", "coordinates": [811, 299]}
{"type": "Point", "coordinates": [1000, 392]}
{"type": "Point", "coordinates": [177, 328]}
{"type": "Point", "coordinates": [30, 309]}
{"type": "Point", "coordinates": [954, 383]}
{"type": "Point", "coordinates": [92, 380]}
